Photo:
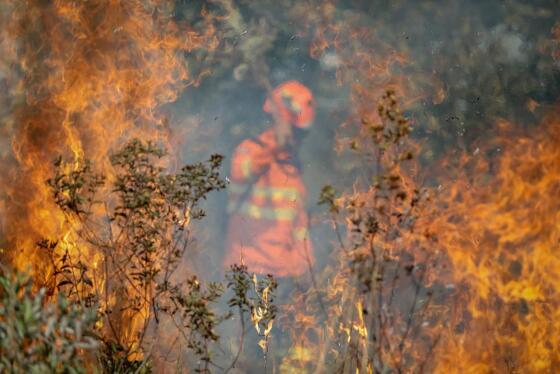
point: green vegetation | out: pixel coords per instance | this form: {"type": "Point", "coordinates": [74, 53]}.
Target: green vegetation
{"type": "Point", "coordinates": [38, 335]}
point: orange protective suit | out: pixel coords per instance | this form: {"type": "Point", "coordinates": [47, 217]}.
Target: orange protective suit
{"type": "Point", "coordinates": [268, 225]}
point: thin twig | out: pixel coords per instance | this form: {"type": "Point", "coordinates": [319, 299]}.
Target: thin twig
{"type": "Point", "coordinates": [241, 340]}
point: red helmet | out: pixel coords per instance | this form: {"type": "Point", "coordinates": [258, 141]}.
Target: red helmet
{"type": "Point", "coordinates": [295, 103]}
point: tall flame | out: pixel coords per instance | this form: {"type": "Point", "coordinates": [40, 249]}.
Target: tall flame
{"type": "Point", "coordinates": [495, 217]}
{"type": "Point", "coordinates": [95, 74]}
{"type": "Point", "coordinates": [500, 229]}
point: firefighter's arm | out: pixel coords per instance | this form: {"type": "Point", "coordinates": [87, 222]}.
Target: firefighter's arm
{"type": "Point", "coordinates": [250, 160]}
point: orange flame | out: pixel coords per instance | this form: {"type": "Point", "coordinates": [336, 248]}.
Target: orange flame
{"type": "Point", "coordinates": [500, 230]}
{"type": "Point", "coordinates": [496, 225]}
{"type": "Point", "coordinates": [95, 74]}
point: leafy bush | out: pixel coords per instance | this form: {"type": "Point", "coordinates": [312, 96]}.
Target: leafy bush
{"type": "Point", "coordinates": [39, 337]}
{"type": "Point", "coordinates": [255, 297]}
{"type": "Point", "coordinates": [131, 236]}
{"type": "Point", "coordinates": [113, 273]}
{"type": "Point", "coordinates": [376, 298]}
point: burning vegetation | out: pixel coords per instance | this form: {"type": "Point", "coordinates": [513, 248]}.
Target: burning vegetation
{"type": "Point", "coordinates": [422, 209]}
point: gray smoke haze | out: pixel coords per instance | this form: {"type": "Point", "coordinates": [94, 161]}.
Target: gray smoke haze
{"type": "Point", "coordinates": [466, 63]}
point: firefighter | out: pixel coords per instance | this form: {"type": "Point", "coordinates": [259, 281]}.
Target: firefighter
{"type": "Point", "coordinates": [268, 225]}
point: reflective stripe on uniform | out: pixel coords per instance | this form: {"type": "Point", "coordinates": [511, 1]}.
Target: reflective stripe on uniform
{"type": "Point", "coordinates": [273, 193]}
{"type": "Point", "coordinates": [255, 211]}
{"type": "Point", "coordinates": [246, 168]}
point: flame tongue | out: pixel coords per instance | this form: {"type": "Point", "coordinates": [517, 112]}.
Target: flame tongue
{"type": "Point", "coordinates": [502, 237]}
{"type": "Point", "coordinates": [94, 74]}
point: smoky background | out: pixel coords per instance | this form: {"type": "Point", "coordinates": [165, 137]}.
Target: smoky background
{"type": "Point", "coordinates": [462, 66]}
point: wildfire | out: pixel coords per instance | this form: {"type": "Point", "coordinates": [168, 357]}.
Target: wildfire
{"type": "Point", "coordinates": [500, 230]}
{"type": "Point", "coordinates": [483, 247]}
{"type": "Point", "coordinates": [463, 277]}
{"type": "Point", "coordinates": [94, 75]}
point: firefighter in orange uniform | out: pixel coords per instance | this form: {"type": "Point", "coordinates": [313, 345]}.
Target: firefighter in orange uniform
{"type": "Point", "coordinates": [268, 226]}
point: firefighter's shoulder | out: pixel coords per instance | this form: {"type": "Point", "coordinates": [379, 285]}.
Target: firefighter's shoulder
{"type": "Point", "coordinates": [251, 144]}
